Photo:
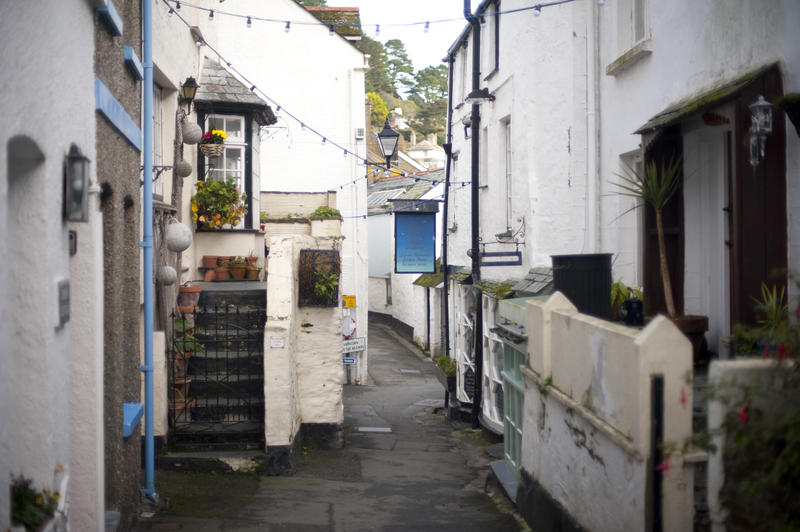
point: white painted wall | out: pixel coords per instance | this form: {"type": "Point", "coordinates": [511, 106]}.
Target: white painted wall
{"type": "Point", "coordinates": [719, 42]}
{"type": "Point", "coordinates": [40, 426]}
{"type": "Point", "coordinates": [586, 426]}
{"type": "Point", "coordinates": [318, 78]}
{"type": "Point", "coordinates": [303, 372]}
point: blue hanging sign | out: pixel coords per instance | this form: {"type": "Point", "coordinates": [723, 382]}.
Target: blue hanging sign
{"type": "Point", "coordinates": [414, 242]}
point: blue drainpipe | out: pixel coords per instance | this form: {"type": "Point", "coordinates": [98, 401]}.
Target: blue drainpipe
{"type": "Point", "coordinates": [149, 489]}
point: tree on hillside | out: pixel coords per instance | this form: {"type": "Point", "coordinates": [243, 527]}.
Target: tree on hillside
{"type": "Point", "coordinates": [377, 78]}
{"type": "Point", "coordinates": [430, 94]}
{"type": "Point", "coordinates": [312, 2]}
{"type": "Point", "coordinates": [398, 65]}
{"type": "Point", "coordinates": [378, 109]}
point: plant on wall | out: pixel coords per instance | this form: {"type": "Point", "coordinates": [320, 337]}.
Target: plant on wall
{"type": "Point", "coordinates": [326, 285]}
{"type": "Point", "coordinates": [319, 273]}
{"type": "Point", "coordinates": [218, 203]}
{"type": "Point", "coordinates": [326, 212]}
{"type": "Point", "coordinates": [29, 507]}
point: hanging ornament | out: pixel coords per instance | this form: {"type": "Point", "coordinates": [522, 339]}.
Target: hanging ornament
{"type": "Point", "coordinates": [191, 133]}
{"type": "Point", "coordinates": [167, 275]}
{"type": "Point", "coordinates": [177, 236]}
{"type": "Point", "coordinates": [183, 168]}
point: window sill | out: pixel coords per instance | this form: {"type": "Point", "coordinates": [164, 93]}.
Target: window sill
{"type": "Point", "coordinates": [635, 54]}
{"type": "Point", "coordinates": [251, 231]}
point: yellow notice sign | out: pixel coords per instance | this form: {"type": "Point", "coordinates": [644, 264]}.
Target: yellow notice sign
{"type": "Point", "coordinates": [348, 301]}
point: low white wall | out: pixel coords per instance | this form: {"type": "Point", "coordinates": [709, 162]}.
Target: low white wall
{"type": "Point", "coordinates": [303, 372]}
{"type": "Point", "coordinates": [295, 204]}
{"type": "Point", "coordinates": [586, 426]}
{"type": "Point", "coordinates": [377, 295]}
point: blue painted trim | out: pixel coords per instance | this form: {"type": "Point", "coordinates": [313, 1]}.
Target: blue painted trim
{"type": "Point", "coordinates": [111, 17]}
{"type": "Point", "coordinates": [133, 63]}
{"type": "Point", "coordinates": [131, 415]}
{"type": "Point", "coordinates": [105, 102]}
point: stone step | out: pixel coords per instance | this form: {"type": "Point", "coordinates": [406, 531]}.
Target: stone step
{"type": "Point", "coordinates": [231, 460]}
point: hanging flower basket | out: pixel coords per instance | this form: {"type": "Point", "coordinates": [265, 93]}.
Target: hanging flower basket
{"type": "Point", "coordinates": [212, 150]}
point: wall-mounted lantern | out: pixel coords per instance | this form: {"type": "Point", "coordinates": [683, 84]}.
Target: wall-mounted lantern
{"type": "Point", "coordinates": [188, 91]}
{"type": "Point", "coordinates": [760, 128]}
{"type": "Point", "coordinates": [76, 186]}
{"type": "Point", "coordinates": [387, 139]}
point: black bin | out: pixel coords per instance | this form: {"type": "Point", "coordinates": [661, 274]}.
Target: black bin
{"type": "Point", "coordinates": [586, 281]}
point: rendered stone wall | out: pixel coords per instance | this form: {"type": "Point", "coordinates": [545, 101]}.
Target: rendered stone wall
{"type": "Point", "coordinates": [586, 428]}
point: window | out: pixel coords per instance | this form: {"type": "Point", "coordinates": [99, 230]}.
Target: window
{"type": "Point", "coordinates": [631, 23]}
{"type": "Point", "coordinates": [158, 148]}
{"type": "Point", "coordinates": [490, 38]}
{"type": "Point", "coordinates": [483, 154]}
{"type": "Point", "coordinates": [506, 124]}
{"type": "Point", "coordinates": [462, 79]}
{"type": "Point", "coordinates": [232, 161]}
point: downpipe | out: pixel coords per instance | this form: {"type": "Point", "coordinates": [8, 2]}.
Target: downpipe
{"type": "Point", "coordinates": [148, 490]}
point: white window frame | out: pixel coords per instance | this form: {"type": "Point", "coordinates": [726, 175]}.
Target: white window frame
{"type": "Point", "coordinates": [508, 162]}
{"type": "Point", "coordinates": [233, 143]}
{"type": "Point", "coordinates": [158, 139]}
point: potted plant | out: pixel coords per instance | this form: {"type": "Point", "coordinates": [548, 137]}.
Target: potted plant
{"type": "Point", "coordinates": [218, 203]}
{"type": "Point", "coordinates": [626, 304]}
{"type": "Point", "coordinates": [189, 297]}
{"type": "Point", "coordinates": [262, 219]}
{"type": "Point", "coordinates": [656, 188]}
{"type": "Point", "coordinates": [326, 221]}
{"type": "Point", "coordinates": [238, 268]}
{"type": "Point", "coordinates": [446, 372]}
{"type": "Point", "coordinates": [251, 259]}
{"type": "Point", "coordinates": [31, 508]}
{"type": "Point", "coordinates": [253, 271]}
{"type": "Point", "coordinates": [326, 286]}
{"type": "Point", "coordinates": [212, 144]}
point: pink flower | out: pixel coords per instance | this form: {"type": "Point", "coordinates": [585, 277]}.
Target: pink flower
{"type": "Point", "coordinates": [663, 466]}
{"type": "Point", "coordinates": [683, 396]}
{"type": "Point", "coordinates": [743, 414]}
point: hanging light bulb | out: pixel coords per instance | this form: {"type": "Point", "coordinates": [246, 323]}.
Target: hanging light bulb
{"type": "Point", "coordinates": [211, 14]}
{"type": "Point", "coordinates": [288, 27]}
{"type": "Point", "coordinates": [537, 10]}
{"type": "Point", "coordinates": [302, 126]}
{"type": "Point", "coordinates": [177, 5]}
{"type": "Point", "coordinates": [427, 27]}
{"type": "Point", "coordinates": [377, 30]}
{"type": "Point", "coordinates": [324, 140]}
{"type": "Point", "coordinates": [249, 22]}
{"type": "Point", "coordinates": [344, 154]}
{"type": "Point", "coordinates": [171, 12]}
{"type": "Point", "coordinates": [330, 29]}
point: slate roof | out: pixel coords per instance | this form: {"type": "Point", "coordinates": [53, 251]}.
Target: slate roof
{"type": "Point", "coordinates": [218, 85]}
{"type": "Point", "coordinates": [409, 187]}
{"type": "Point", "coordinates": [538, 281]}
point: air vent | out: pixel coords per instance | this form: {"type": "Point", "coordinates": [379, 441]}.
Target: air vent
{"type": "Point", "coordinates": [359, 133]}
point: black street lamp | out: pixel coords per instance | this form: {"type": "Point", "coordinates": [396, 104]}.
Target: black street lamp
{"type": "Point", "coordinates": [188, 91]}
{"type": "Point", "coordinates": [387, 139]}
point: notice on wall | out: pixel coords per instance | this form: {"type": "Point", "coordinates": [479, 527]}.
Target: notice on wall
{"type": "Point", "coordinates": [352, 345]}
{"type": "Point", "coordinates": [414, 242]}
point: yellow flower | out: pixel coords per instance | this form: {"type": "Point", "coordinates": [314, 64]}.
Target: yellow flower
{"type": "Point", "coordinates": [39, 500]}
{"type": "Point", "coordinates": [194, 207]}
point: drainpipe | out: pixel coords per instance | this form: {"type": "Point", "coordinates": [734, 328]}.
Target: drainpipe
{"type": "Point", "coordinates": [448, 150]}
{"type": "Point", "coordinates": [147, 244]}
{"type": "Point", "coordinates": [475, 176]}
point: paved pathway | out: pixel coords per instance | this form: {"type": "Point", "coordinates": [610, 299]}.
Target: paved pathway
{"type": "Point", "coordinates": [403, 468]}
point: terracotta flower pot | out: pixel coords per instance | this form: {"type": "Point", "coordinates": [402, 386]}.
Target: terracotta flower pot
{"type": "Point", "coordinates": [251, 261]}
{"type": "Point", "coordinates": [222, 273]}
{"type": "Point", "coordinates": [238, 271]}
{"type": "Point", "coordinates": [188, 296]}
{"type": "Point", "coordinates": [252, 273]}
{"type": "Point", "coordinates": [210, 261]}
{"type": "Point", "coordinates": [209, 276]}
{"type": "Point", "coordinates": [223, 261]}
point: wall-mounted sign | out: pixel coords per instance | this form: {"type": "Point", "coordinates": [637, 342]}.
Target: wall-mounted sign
{"type": "Point", "coordinates": [348, 361]}
{"type": "Point", "coordinates": [277, 342]}
{"type": "Point", "coordinates": [348, 301]}
{"type": "Point", "coordinates": [351, 345]}
{"type": "Point", "coordinates": [414, 242]}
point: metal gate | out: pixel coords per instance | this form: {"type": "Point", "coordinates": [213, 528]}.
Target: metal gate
{"type": "Point", "coordinates": [216, 379]}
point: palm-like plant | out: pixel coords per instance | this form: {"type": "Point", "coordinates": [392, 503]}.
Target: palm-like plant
{"type": "Point", "coordinates": [656, 188]}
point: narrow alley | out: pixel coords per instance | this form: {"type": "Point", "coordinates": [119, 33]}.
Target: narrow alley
{"type": "Point", "coordinates": [403, 467]}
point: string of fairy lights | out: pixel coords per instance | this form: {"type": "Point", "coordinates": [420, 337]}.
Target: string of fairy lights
{"type": "Point", "coordinates": [176, 5]}
{"type": "Point", "coordinates": [325, 139]}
